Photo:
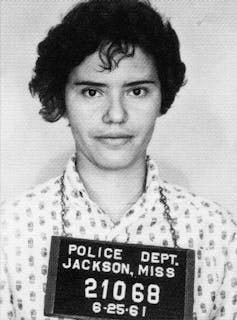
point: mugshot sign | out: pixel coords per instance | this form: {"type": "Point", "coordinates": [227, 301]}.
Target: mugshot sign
{"type": "Point", "coordinates": [93, 279]}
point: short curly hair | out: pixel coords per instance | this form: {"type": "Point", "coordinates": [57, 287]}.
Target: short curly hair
{"type": "Point", "coordinates": [111, 27]}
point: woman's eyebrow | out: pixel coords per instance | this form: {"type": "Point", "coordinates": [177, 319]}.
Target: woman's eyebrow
{"type": "Point", "coordinates": [101, 84]}
{"type": "Point", "coordinates": [139, 82]}
{"type": "Point", "coordinates": [90, 83]}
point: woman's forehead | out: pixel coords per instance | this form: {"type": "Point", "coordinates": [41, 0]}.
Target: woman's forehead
{"type": "Point", "coordinates": [138, 65]}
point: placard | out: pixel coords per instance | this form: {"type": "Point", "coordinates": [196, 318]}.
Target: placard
{"type": "Point", "coordinates": [118, 281]}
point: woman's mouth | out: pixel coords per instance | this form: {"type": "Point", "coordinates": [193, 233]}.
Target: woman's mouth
{"type": "Point", "coordinates": [115, 140]}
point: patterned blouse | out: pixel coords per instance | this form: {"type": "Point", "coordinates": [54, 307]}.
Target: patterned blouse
{"type": "Point", "coordinates": [29, 222]}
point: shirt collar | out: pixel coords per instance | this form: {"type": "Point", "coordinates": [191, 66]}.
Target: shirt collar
{"type": "Point", "coordinates": [75, 190]}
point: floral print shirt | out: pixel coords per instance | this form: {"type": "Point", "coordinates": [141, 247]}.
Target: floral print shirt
{"type": "Point", "coordinates": [29, 222]}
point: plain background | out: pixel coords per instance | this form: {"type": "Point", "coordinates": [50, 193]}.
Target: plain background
{"type": "Point", "coordinates": [195, 144]}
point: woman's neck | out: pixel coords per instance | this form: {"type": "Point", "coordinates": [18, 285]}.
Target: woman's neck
{"type": "Point", "coordinates": [114, 191]}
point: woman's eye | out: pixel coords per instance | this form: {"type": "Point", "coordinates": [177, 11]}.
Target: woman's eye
{"type": "Point", "coordinates": [139, 92]}
{"type": "Point", "coordinates": [90, 93]}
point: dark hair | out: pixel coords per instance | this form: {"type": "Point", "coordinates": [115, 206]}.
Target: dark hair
{"type": "Point", "coordinates": [112, 27]}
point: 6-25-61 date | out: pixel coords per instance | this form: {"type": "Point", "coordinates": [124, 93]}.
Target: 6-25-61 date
{"type": "Point", "coordinates": [119, 309]}
{"type": "Point", "coordinates": [140, 296]}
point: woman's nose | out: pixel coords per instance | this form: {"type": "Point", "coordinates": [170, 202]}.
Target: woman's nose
{"type": "Point", "coordinates": [116, 110]}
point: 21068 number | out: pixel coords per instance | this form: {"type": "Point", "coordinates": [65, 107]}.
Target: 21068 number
{"type": "Point", "coordinates": [118, 291]}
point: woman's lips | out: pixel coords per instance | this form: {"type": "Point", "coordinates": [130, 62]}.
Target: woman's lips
{"type": "Point", "coordinates": [115, 141]}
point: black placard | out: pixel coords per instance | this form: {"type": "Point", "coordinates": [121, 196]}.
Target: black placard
{"type": "Point", "coordinates": [118, 281]}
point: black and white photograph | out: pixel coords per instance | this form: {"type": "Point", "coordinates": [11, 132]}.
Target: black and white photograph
{"type": "Point", "coordinates": [118, 160]}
